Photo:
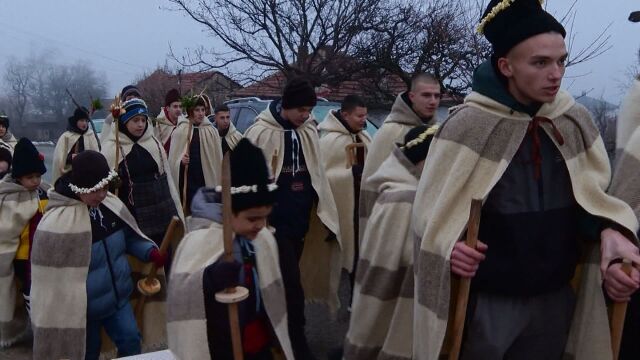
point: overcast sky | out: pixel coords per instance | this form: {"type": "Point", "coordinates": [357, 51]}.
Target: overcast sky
{"type": "Point", "coordinates": [124, 39]}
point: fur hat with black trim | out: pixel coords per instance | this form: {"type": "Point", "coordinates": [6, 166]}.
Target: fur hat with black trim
{"type": "Point", "coordinates": [90, 172]}
{"type": "Point", "coordinates": [250, 181]}
{"type": "Point", "coordinates": [172, 96]}
{"type": "Point", "coordinates": [506, 23]}
{"type": "Point", "coordinates": [298, 93]}
{"type": "Point", "coordinates": [27, 159]}
{"type": "Point", "coordinates": [417, 142]}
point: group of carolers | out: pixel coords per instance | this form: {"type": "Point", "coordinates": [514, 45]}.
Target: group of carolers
{"type": "Point", "coordinates": [390, 210]}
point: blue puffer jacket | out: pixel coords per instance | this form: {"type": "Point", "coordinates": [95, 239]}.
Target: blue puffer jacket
{"type": "Point", "coordinates": [109, 283]}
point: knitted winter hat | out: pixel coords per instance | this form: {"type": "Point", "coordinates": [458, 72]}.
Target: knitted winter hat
{"type": "Point", "coordinates": [417, 142]}
{"type": "Point", "coordinates": [132, 108]}
{"type": "Point", "coordinates": [90, 172]}
{"type": "Point", "coordinates": [172, 96]}
{"type": "Point", "coordinates": [298, 93]}
{"type": "Point", "coordinates": [506, 23]}
{"type": "Point", "coordinates": [250, 184]}
{"type": "Point", "coordinates": [4, 121]}
{"type": "Point", "coordinates": [5, 155]}
{"type": "Point", "coordinates": [130, 90]}
{"type": "Point", "coordinates": [27, 159]}
{"type": "Point", "coordinates": [79, 114]}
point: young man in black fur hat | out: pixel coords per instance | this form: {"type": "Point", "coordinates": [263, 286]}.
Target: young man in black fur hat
{"type": "Point", "coordinates": [168, 118]}
{"type": "Point", "coordinates": [309, 254]}
{"type": "Point", "coordinates": [537, 160]}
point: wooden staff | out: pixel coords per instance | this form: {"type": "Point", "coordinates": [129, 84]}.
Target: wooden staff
{"type": "Point", "coordinates": [618, 315]}
{"type": "Point", "coordinates": [274, 163]}
{"type": "Point", "coordinates": [230, 296]}
{"type": "Point", "coordinates": [150, 285]}
{"type": "Point", "coordinates": [186, 172]}
{"type": "Point", "coordinates": [352, 153]}
{"type": "Point", "coordinates": [465, 283]}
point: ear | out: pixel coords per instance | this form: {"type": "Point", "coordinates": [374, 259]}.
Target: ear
{"type": "Point", "coordinates": [504, 66]}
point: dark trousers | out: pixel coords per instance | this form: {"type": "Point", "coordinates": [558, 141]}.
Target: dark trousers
{"type": "Point", "coordinates": [290, 252]}
{"type": "Point", "coordinates": [630, 347]}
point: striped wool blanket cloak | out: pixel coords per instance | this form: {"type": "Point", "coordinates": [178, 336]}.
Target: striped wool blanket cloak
{"type": "Point", "coordinates": [397, 124]}
{"type": "Point", "coordinates": [382, 310]}
{"type": "Point", "coordinates": [233, 136]}
{"type": "Point", "coordinates": [625, 184]}
{"type": "Point", "coordinates": [60, 260]}
{"type": "Point", "coordinates": [5, 145]}
{"type": "Point", "coordinates": [164, 128]}
{"type": "Point", "coordinates": [17, 206]}
{"type": "Point", "coordinates": [468, 157]}
{"type": "Point", "coordinates": [153, 146]}
{"type": "Point", "coordinates": [320, 264]}
{"type": "Point", "coordinates": [629, 116]}
{"type": "Point", "coordinates": [64, 146]}
{"type": "Point", "coordinates": [210, 151]}
{"type": "Point", "coordinates": [334, 137]}
{"type": "Point", "coordinates": [186, 316]}
{"type": "Point", "coordinates": [10, 140]}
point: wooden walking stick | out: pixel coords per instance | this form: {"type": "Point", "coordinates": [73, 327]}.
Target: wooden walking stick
{"type": "Point", "coordinates": [186, 172]}
{"type": "Point", "coordinates": [618, 315]}
{"type": "Point", "coordinates": [230, 296]}
{"type": "Point", "coordinates": [463, 293]}
{"type": "Point", "coordinates": [274, 163]}
{"type": "Point", "coordinates": [150, 285]}
{"type": "Point", "coordinates": [352, 153]}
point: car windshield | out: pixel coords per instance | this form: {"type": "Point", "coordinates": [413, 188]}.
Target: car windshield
{"type": "Point", "coordinates": [98, 124]}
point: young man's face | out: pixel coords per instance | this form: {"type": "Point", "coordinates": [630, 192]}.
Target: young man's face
{"type": "Point", "coordinates": [137, 125]}
{"type": "Point", "coordinates": [425, 98]}
{"type": "Point", "coordinates": [198, 115]}
{"type": "Point", "coordinates": [248, 223]}
{"type": "Point", "coordinates": [30, 181]}
{"type": "Point", "coordinates": [297, 116]}
{"type": "Point", "coordinates": [3, 130]}
{"type": "Point", "coordinates": [535, 68]}
{"type": "Point", "coordinates": [356, 118]}
{"type": "Point", "coordinates": [174, 110]}
{"type": "Point", "coordinates": [94, 199]}
{"type": "Point", "coordinates": [82, 124]}
{"type": "Point", "coordinates": [223, 118]}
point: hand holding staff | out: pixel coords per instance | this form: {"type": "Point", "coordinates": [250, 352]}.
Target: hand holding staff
{"type": "Point", "coordinates": [618, 315]}
{"type": "Point", "coordinates": [231, 296]}
{"type": "Point", "coordinates": [150, 285]}
{"type": "Point", "coordinates": [465, 283]}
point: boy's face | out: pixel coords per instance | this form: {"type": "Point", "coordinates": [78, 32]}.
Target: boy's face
{"type": "Point", "coordinates": [137, 125]}
{"type": "Point", "coordinates": [297, 116]}
{"type": "Point", "coordinates": [83, 124]}
{"type": "Point", "coordinates": [174, 110]}
{"type": "Point", "coordinates": [3, 130]}
{"type": "Point", "coordinates": [248, 223]}
{"type": "Point", "coordinates": [95, 198]}
{"type": "Point", "coordinates": [4, 166]}
{"type": "Point", "coordinates": [535, 68]}
{"type": "Point", "coordinates": [198, 115]}
{"type": "Point", "coordinates": [30, 181]}
{"type": "Point", "coordinates": [356, 118]}
{"type": "Point", "coordinates": [425, 98]}
{"type": "Point", "coordinates": [222, 120]}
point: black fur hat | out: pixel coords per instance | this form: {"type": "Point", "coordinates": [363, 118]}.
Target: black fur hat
{"type": "Point", "coordinates": [506, 23]}
{"type": "Point", "coordinates": [251, 186]}
{"type": "Point", "coordinates": [27, 159]}
{"type": "Point", "coordinates": [298, 93]}
{"type": "Point", "coordinates": [417, 142]}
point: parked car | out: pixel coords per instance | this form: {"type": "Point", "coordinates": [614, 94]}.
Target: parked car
{"type": "Point", "coordinates": [244, 111]}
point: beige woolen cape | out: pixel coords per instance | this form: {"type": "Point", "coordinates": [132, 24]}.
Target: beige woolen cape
{"type": "Point", "coordinates": [469, 155]}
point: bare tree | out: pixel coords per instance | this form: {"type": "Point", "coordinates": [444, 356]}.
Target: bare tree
{"type": "Point", "coordinates": [18, 78]}
{"type": "Point", "coordinates": [295, 37]}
